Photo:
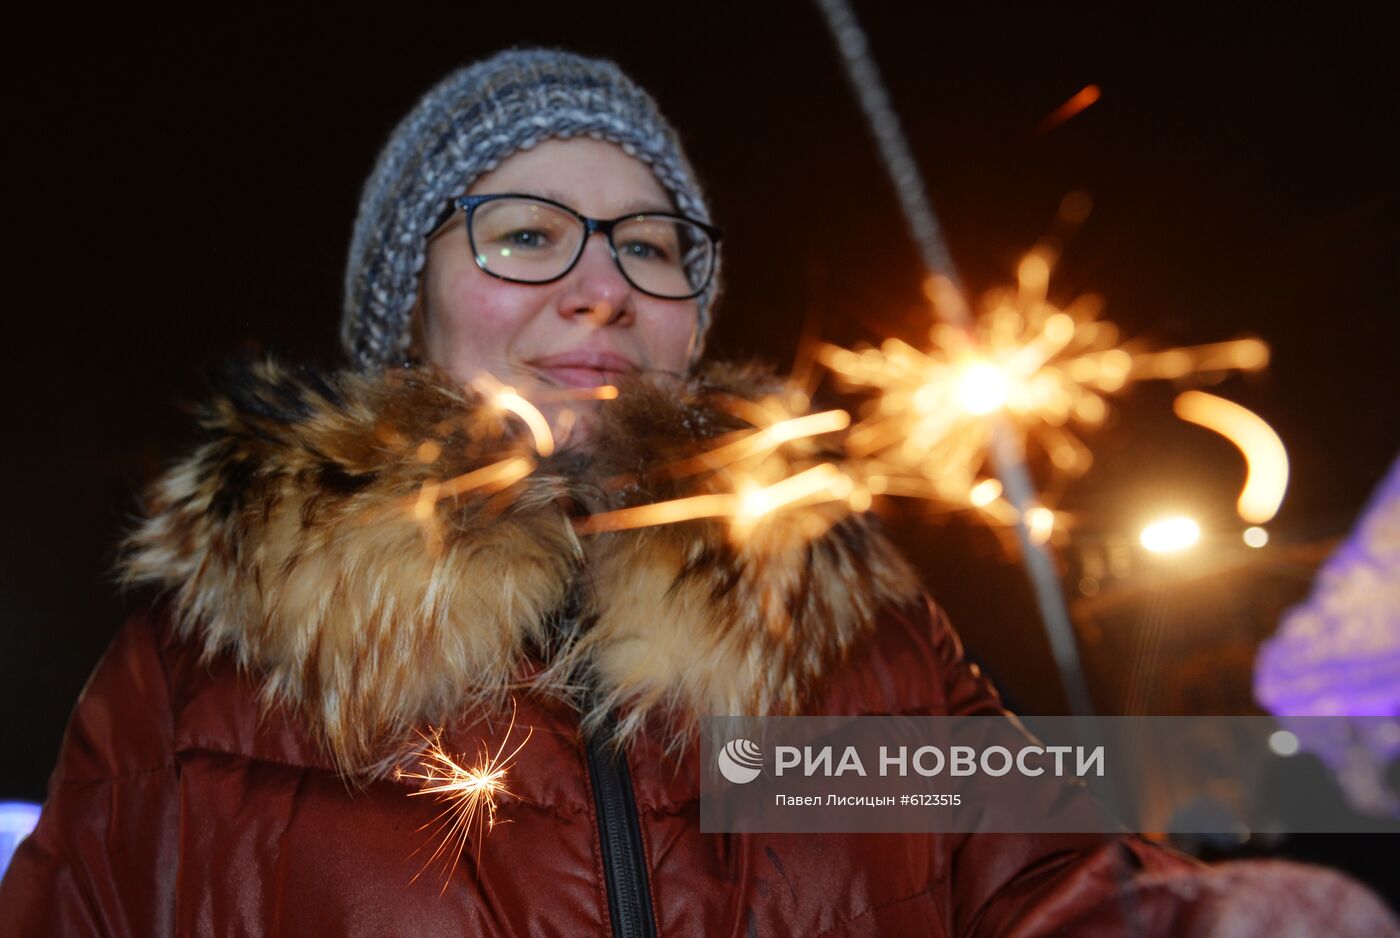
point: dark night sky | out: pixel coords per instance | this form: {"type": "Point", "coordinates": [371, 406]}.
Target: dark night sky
{"type": "Point", "coordinates": [183, 189]}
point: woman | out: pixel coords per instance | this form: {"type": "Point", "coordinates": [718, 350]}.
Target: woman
{"type": "Point", "coordinates": [352, 561]}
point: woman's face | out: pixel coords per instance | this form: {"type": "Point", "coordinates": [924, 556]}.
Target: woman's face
{"type": "Point", "coordinates": [550, 340]}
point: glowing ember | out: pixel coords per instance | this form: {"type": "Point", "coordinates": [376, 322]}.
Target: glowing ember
{"type": "Point", "coordinates": [469, 793]}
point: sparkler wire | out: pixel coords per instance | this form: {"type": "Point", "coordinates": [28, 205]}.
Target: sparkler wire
{"type": "Point", "coordinates": [1007, 452]}
{"type": "Point", "coordinates": [1008, 456]}
{"type": "Point", "coordinates": [894, 148]}
{"type": "Point", "coordinates": [1020, 492]}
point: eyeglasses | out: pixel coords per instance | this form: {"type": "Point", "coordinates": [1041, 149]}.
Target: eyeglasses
{"type": "Point", "coordinates": [527, 239]}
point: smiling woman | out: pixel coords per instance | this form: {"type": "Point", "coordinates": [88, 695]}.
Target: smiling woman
{"type": "Point", "coordinates": [365, 575]}
{"type": "Point", "coordinates": [518, 289]}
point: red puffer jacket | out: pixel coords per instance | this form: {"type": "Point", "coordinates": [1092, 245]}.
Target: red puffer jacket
{"type": "Point", "coordinates": [229, 769]}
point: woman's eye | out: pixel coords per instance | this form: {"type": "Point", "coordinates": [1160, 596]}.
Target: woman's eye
{"type": "Point", "coordinates": [526, 238]}
{"type": "Point", "coordinates": [644, 250]}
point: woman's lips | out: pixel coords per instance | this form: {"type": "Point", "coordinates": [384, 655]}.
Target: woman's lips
{"type": "Point", "coordinates": [579, 377]}
{"type": "Point", "coordinates": [583, 369]}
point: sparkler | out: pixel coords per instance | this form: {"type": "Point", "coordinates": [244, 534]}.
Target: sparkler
{"type": "Point", "coordinates": [1047, 371]}
{"type": "Point", "coordinates": [1006, 445]}
{"type": "Point", "coordinates": [469, 793]}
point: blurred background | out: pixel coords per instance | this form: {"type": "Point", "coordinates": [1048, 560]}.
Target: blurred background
{"type": "Point", "coordinates": [182, 189]}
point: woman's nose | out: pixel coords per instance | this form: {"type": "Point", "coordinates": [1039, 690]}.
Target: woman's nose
{"type": "Point", "coordinates": [596, 288]}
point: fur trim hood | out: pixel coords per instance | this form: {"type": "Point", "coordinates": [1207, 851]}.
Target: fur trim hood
{"type": "Point", "coordinates": [386, 552]}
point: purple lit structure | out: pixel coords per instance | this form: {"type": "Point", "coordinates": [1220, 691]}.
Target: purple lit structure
{"type": "Point", "coordinates": [17, 819]}
{"type": "Point", "coordinates": [1338, 654]}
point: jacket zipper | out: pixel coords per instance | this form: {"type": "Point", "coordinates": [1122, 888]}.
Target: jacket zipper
{"type": "Point", "coordinates": [615, 806]}
{"type": "Point", "coordinates": [620, 835]}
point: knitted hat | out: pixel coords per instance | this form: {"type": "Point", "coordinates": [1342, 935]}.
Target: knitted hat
{"type": "Point", "coordinates": [460, 130]}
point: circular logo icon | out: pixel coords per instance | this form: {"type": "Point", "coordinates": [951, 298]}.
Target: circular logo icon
{"type": "Point", "coordinates": [740, 761]}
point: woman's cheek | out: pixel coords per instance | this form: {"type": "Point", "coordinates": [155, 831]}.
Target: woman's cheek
{"type": "Point", "coordinates": [670, 337]}
{"type": "Point", "coordinates": [479, 323]}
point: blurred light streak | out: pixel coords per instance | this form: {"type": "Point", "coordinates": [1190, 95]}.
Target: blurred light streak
{"type": "Point", "coordinates": [667, 512]}
{"type": "Point", "coordinates": [746, 506]}
{"type": "Point", "coordinates": [601, 392]}
{"type": "Point", "coordinates": [508, 399]}
{"type": "Point", "coordinates": [746, 444]}
{"type": "Point", "coordinates": [490, 478]}
{"type": "Point", "coordinates": [1082, 99]}
{"type": "Point", "coordinates": [495, 476]}
{"type": "Point", "coordinates": [1266, 460]}
{"type": "Point", "coordinates": [1236, 355]}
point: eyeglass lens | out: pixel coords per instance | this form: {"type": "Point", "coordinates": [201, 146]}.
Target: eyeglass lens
{"type": "Point", "coordinates": [534, 242]}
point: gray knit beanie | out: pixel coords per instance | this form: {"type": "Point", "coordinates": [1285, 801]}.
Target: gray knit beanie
{"type": "Point", "coordinates": [460, 130]}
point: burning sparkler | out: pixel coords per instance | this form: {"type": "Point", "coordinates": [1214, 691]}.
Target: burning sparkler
{"type": "Point", "coordinates": [1043, 369]}
{"type": "Point", "coordinates": [469, 793]}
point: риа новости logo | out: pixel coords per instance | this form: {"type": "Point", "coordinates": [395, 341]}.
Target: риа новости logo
{"type": "Point", "coordinates": [740, 761]}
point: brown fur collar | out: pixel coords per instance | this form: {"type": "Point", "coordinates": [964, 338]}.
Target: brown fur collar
{"type": "Point", "coordinates": [300, 537]}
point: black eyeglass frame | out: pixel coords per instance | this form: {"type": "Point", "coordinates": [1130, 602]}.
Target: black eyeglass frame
{"type": "Point", "coordinates": [470, 203]}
